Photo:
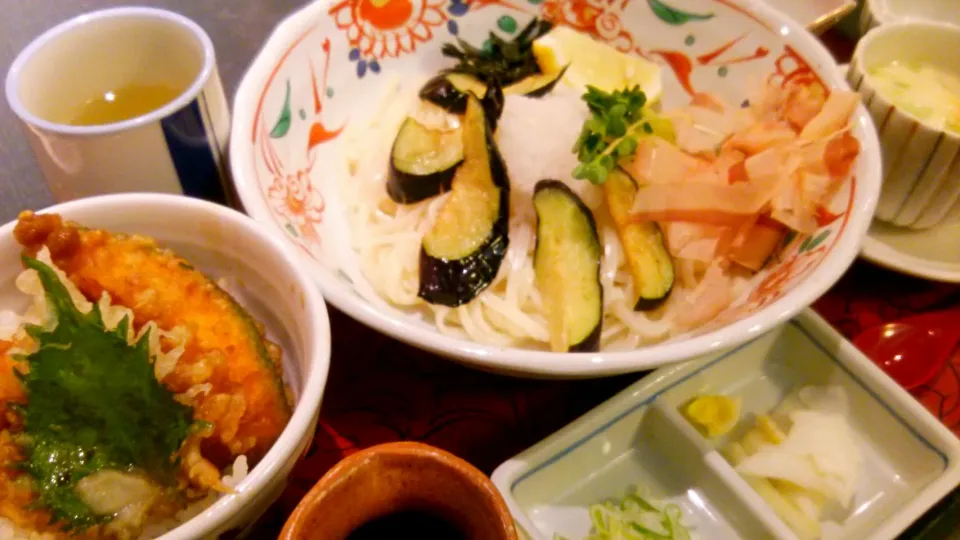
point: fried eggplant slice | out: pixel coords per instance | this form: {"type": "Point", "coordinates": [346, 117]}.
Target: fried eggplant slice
{"type": "Point", "coordinates": [566, 262]}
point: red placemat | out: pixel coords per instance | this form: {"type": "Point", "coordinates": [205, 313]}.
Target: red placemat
{"type": "Point", "coordinates": [380, 390]}
{"type": "Point", "coordinates": [867, 296]}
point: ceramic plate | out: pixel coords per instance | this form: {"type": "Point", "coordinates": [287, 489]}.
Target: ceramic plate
{"type": "Point", "coordinates": [327, 68]}
{"type": "Point", "coordinates": [931, 253]}
{"type": "Point", "coordinates": [816, 15]}
{"type": "Point", "coordinates": [909, 459]}
{"type": "Point", "coordinates": [877, 12]}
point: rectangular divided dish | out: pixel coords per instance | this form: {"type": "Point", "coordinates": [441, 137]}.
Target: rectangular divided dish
{"type": "Point", "coordinates": [909, 460]}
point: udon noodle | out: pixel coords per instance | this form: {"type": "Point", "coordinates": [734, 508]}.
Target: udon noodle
{"type": "Point", "coordinates": [387, 237]}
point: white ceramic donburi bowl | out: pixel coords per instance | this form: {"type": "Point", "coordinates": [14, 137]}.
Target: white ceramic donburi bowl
{"type": "Point", "coordinates": [328, 65]}
{"type": "Point", "coordinates": [265, 280]}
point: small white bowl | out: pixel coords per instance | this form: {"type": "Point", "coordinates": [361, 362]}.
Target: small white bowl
{"type": "Point", "coordinates": [877, 12]}
{"type": "Point", "coordinates": [224, 244]}
{"type": "Point", "coordinates": [909, 459]}
{"type": "Point", "coordinates": [921, 164]}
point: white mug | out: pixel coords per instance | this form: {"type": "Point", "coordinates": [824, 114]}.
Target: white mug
{"type": "Point", "coordinates": [177, 148]}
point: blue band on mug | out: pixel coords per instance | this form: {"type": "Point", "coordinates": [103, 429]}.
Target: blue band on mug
{"type": "Point", "coordinates": [194, 153]}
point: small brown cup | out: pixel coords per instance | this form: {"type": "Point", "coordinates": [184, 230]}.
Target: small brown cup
{"type": "Point", "coordinates": [397, 477]}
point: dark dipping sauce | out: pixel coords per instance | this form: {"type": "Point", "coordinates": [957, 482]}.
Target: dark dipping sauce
{"type": "Point", "coordinates": [409, 524]}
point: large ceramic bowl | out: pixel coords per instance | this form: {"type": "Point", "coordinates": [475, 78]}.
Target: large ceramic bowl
{"type": "Point", "coordinates": [326, 66]}
{"type": "Point", "coordinates": [260, 272]}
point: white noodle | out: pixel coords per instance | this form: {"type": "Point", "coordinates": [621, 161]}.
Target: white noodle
{"type": "Point", "coordinates": [508, 313]}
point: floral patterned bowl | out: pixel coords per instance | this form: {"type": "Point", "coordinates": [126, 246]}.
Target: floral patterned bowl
{"type": "Point", "coordinates": [325, 66]}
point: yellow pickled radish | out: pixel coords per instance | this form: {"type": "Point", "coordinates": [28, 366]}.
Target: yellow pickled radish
{"type": "Point", "coordinates": [770, 430]}
{"type": "Point", "coordinates": [714, 415]}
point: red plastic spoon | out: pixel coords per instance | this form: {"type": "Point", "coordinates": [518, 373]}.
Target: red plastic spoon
{"type": "Point", "coordinates": [912, 350]}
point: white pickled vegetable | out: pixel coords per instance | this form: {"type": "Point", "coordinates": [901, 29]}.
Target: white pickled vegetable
{"type": "Point", "coordinates": [819, 453]}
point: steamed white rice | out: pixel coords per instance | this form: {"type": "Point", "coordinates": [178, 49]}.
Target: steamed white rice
{"type": "Point", "coordinates": [232, 477]}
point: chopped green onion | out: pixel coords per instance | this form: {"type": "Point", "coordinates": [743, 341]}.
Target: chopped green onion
{"type": "Point", "coordinates": [635, 518]}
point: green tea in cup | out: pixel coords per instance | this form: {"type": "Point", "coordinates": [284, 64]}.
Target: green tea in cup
{"type": "Point", "coordinates": [124, 100]}
{"type": "Point", "coordinates": [121, 103]}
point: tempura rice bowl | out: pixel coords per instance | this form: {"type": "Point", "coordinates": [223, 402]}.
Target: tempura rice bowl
{"type": "Point", "coordinates": [259, 272]}
{"type": "Point", "coordinates": [324, 74]}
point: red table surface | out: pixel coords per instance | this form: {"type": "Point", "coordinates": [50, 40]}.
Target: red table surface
{"type": "Point", "coordinates": [380, 390]}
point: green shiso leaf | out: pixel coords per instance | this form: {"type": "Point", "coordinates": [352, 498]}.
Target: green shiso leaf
{"type": "Point", "coordinates": [93, 404]}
